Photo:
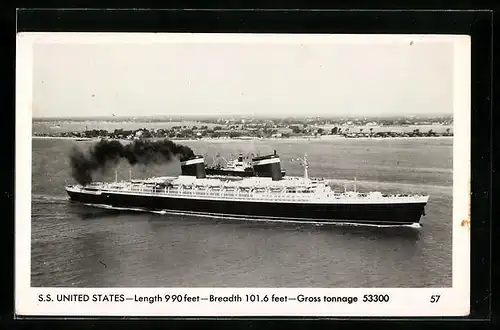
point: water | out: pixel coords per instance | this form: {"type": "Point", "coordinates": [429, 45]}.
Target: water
{"type": "Point", "coordinates": [79, 246]}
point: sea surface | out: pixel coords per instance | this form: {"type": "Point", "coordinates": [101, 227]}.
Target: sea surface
{"type": "Point", "coordinates": [80, 246]}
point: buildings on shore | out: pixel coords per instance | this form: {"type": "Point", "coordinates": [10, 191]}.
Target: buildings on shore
{"type": "Point", "coordinates": [237, 128]}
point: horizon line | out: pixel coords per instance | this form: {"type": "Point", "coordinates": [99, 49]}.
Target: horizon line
{"type": "Point", "coordinates": [245, 115]}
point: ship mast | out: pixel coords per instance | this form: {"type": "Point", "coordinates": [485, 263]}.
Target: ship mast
{"type": "Point", "coordinates": [306, 167]}
{"type": "Point", "coordinates": [305, 163]}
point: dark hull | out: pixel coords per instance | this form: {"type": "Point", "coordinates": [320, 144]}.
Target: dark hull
{"type": "Point", "coordinates": [223, 172]}
{"type": "Point", "coordinates": [380, 214]}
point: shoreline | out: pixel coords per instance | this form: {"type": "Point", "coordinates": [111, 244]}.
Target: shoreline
{"type": "Point", "coordinates": [326, 137]}
{"type": "Point", "coordinates": [62, 138]}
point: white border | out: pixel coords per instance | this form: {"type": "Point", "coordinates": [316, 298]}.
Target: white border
{"type": "Point", "coordinates": [454, 301]}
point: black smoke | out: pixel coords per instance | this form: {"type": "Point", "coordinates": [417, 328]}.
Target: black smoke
{"type": "Point", "coordinates": [109, 152]}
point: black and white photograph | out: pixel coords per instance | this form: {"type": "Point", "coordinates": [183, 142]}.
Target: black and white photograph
{"type": "Point", "coordinates": [212, 163]}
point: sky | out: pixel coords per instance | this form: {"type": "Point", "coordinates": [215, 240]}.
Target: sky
{"type": "Point", "coordinates": [254, 78]}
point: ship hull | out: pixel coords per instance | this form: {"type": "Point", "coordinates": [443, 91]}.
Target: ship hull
{"type": "Point", "coordinates": [377, 214]}
{"type": "Point", "coordinates": [224, 172]}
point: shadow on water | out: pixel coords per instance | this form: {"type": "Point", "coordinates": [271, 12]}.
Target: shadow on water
{"type": "Point", "coordinates": [396, 232]}
{"type": "Point", "coordinates": [159, 221]}
{"type": "Point", "coordinates": [370, 232]}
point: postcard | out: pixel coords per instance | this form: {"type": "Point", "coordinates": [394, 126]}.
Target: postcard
{"type": "Point", "coordinates": [178, 174]}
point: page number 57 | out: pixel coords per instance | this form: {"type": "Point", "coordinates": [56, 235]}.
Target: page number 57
{"type": "Point", "coordinates": [435, 298]}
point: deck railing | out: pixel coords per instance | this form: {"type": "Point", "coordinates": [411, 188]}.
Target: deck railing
{"type": "Point", "coordinates": [222, 194]}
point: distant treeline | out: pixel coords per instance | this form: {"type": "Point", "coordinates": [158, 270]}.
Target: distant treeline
{"type": "Point", "coordinates": [176, 132]}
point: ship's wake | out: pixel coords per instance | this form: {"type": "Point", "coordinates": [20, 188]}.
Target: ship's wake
{"type": "Point", "coordinates": [48, 198]}
{"type": "Point", "coordinates": [252, 219]}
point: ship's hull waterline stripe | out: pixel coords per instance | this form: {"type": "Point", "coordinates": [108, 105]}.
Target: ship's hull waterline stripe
{"type": "Point", "coordinates": [312, 221]}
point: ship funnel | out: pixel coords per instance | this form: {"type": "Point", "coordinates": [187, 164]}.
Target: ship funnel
{"type": "Point", "coordinates": [194, 167]}
{"type": "Point", "coordinates": [268, 166]}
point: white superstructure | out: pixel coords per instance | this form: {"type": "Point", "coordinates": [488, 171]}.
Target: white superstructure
{"type": "Point", "coordinates": [290, 189]}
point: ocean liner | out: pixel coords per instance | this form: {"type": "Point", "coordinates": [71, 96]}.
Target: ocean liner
{"type": "Point", "coordinates": [268, 196]}
{"type": "Point", "coordinates": [239, 167]}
